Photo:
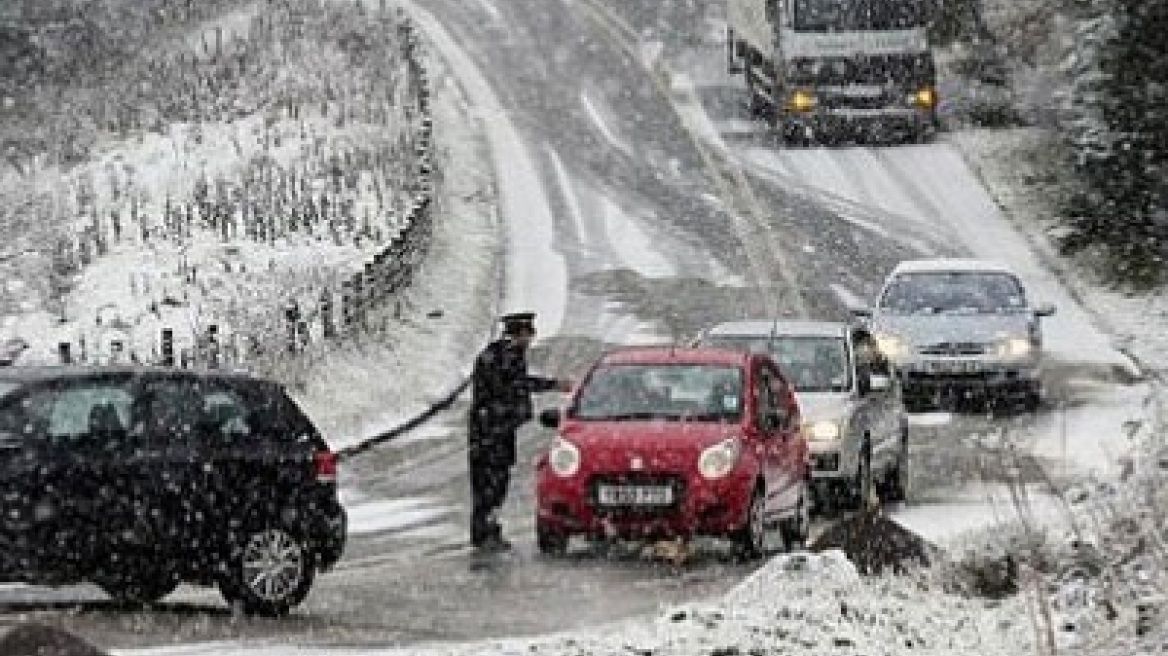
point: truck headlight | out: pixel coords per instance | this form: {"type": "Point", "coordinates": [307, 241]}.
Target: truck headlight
{"type": "Point", "coordinates": [718, 460]}
{"type": "Point", "coordinates": [1015, 347]}
{"type": "Point", "coordinates": [564, 458]}
{"type": "Point", "coordinates": [891, 346]}
{"type": "Point", "coordinates": [925, 97]}
{"type": "Point", "coordinates": [822, 431]}
{"type": "Point", "coordinates": [801, 100]}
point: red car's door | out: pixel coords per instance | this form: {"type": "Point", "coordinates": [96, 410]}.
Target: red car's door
{"type": "Point", "coordinates": [767, 436]}
{"type": "Point", "coordinates": [795, 457]}
{"type": "Point", "coordinates": [778, 417]}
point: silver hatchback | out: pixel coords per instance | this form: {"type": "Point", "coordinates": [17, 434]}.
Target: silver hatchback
{"type": "Point", "coordinates": [959, 327]}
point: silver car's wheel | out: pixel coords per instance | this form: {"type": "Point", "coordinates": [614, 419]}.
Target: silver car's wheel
{"type": "Point", "coordinates": [271, 572]}
{"type": "Point", "coordinates": [796, 529]}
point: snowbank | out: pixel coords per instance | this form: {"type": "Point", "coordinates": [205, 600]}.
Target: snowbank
{"type": "Point", "coordinates": [796, 603]}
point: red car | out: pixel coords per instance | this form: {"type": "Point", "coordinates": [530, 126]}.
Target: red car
{"type": "Point", "coordinates": [665, 442]}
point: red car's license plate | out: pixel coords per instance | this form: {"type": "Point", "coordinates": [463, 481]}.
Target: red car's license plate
{"type": "Point", "coordinates": [635, 495]}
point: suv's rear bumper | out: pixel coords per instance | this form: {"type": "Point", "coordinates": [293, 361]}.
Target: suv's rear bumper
{"type": "Point", "coordinates": [329, 533]}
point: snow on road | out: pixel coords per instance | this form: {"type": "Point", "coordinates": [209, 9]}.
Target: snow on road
{"type": "Point", "coordinates": [933, 185]}
{"type": "Point", "coordinates": [799, 603]}
{"type": "Point", "coordinates": [536, 277]}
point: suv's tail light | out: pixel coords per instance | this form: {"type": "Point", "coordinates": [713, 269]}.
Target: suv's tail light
{"type": "Point", "coordinates": [325, 463]}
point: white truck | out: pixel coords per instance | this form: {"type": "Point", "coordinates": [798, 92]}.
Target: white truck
{"type": "Point", "coordinates": [818, 67]}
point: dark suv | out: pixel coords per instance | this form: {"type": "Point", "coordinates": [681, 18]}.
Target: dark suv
{"type": "Point", "coordinates": [138, 479]}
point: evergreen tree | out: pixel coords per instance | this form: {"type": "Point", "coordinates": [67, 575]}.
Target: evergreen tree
{"type": "Point", "coordinates": [1118, 129]}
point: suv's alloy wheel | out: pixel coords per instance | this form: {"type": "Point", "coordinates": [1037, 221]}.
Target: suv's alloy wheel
{"type": "Point", "coordinates": [271, 571]}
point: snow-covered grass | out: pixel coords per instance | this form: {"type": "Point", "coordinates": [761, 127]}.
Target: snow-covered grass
{"type": "Point", "coordinates": [289, 161]}
{"type": "Point", "coordinates": [359, 389]}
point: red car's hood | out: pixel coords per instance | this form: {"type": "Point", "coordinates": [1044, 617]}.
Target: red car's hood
{"type": "Point", "coordinates": [659, 445]}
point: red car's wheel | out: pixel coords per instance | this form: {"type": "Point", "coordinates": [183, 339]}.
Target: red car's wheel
{"type": "Point", "coordinates": [550, 541]}
{"type": "Point", "coordinates": [750, 540]}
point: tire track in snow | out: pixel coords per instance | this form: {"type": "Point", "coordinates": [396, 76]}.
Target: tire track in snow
{"type": "Point", "coordinates": [535, 272]}
{"type": "Point", "coordinates": [758, 244]}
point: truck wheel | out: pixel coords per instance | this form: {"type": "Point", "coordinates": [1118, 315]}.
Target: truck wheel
{"type": "Point", "coordinates": [755, 104]}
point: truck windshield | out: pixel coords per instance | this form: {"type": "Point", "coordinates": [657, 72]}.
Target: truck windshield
{"type": "Point", "coordinates": [857, 15]}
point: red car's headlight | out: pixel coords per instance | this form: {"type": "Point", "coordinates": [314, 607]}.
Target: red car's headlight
{"type": "Point", "coordinates": [564, 458]}
{"type": "Point", "coordinates": [718, 460]}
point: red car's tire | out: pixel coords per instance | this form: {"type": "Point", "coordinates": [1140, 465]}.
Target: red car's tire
{"type": "Point", "coordinates": [551, 542]}
{"type": "Point", "coordinates": [750, 540]}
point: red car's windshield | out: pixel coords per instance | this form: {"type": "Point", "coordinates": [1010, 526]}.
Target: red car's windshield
{"type": "Point", "coordinates": [672, 392]}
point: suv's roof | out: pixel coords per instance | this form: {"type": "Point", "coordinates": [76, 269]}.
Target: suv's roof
{"type": "Point", "coordinates": [783, 327]}
{"type": "Point", "coordinates": [66, 372]}
{"type": "Point", "coordinates": [949, 264]}
{"type": "Point", "coordinates": [675, 355]}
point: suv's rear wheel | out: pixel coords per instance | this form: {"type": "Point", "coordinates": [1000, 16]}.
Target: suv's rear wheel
{"type": "Point", "coordinates": [271, 569]}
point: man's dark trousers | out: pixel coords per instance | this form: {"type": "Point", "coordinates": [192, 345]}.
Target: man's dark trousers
{"type": "Point", "coordinates": [490, 476]}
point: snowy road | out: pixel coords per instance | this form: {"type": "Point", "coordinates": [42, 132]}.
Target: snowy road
{"type": "Point", "coordinates": [642, 206]}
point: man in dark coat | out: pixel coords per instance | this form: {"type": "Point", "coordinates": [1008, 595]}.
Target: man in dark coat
{"type": "Point", "coordinates": [501, 392]}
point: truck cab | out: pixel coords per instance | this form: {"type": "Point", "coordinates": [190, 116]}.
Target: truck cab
{"type": "Point", "coordinates": [817, 68]}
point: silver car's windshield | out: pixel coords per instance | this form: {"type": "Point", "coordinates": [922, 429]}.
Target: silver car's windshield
{"type": "Point", "coordinates": [811, 363]}
{"type": "Point", "coordinates": [671, 392]}
{"type": "Point", "coordinates": [964, 292]}
{"type": "Point", "coordinates": [858, 15]}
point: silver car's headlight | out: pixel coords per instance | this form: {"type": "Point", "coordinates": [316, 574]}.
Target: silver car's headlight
{"type": "Point", "coordinates": [718, 460]}
{"type": "Point", "coordinates": [564, 458]}
{"type": "Point", "coordinates": [1015, 347]}
{"type": "Point", "coordinates": [822, 431]}
{"type": "Point", "coordinates": [891, 346]}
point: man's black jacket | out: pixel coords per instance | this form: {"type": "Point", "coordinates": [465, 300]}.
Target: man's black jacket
{"type": "Point", "coordinates": [501, 390]}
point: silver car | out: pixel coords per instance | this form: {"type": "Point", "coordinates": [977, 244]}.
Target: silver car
{"type": "Point", "coordinates": [959, 327]}
{"type": "Point", "coordinates": [852, 415]}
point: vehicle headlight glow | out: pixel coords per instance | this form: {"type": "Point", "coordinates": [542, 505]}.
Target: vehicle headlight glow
{"type": "Point", "coordinates": [564, 458]}
{"type": "Point", "coordinates": [718, 460]}
{"type": "Point", "coordinates": [925, 97]}
{"type": "Point", "coordinates": [891, 346]}
{"type": "Point", "coordinates": [1014, 347]}
{"type": "Point", "coordinates": [822, 430]}
{"type": "Point", "coordinates": [801, 100]}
